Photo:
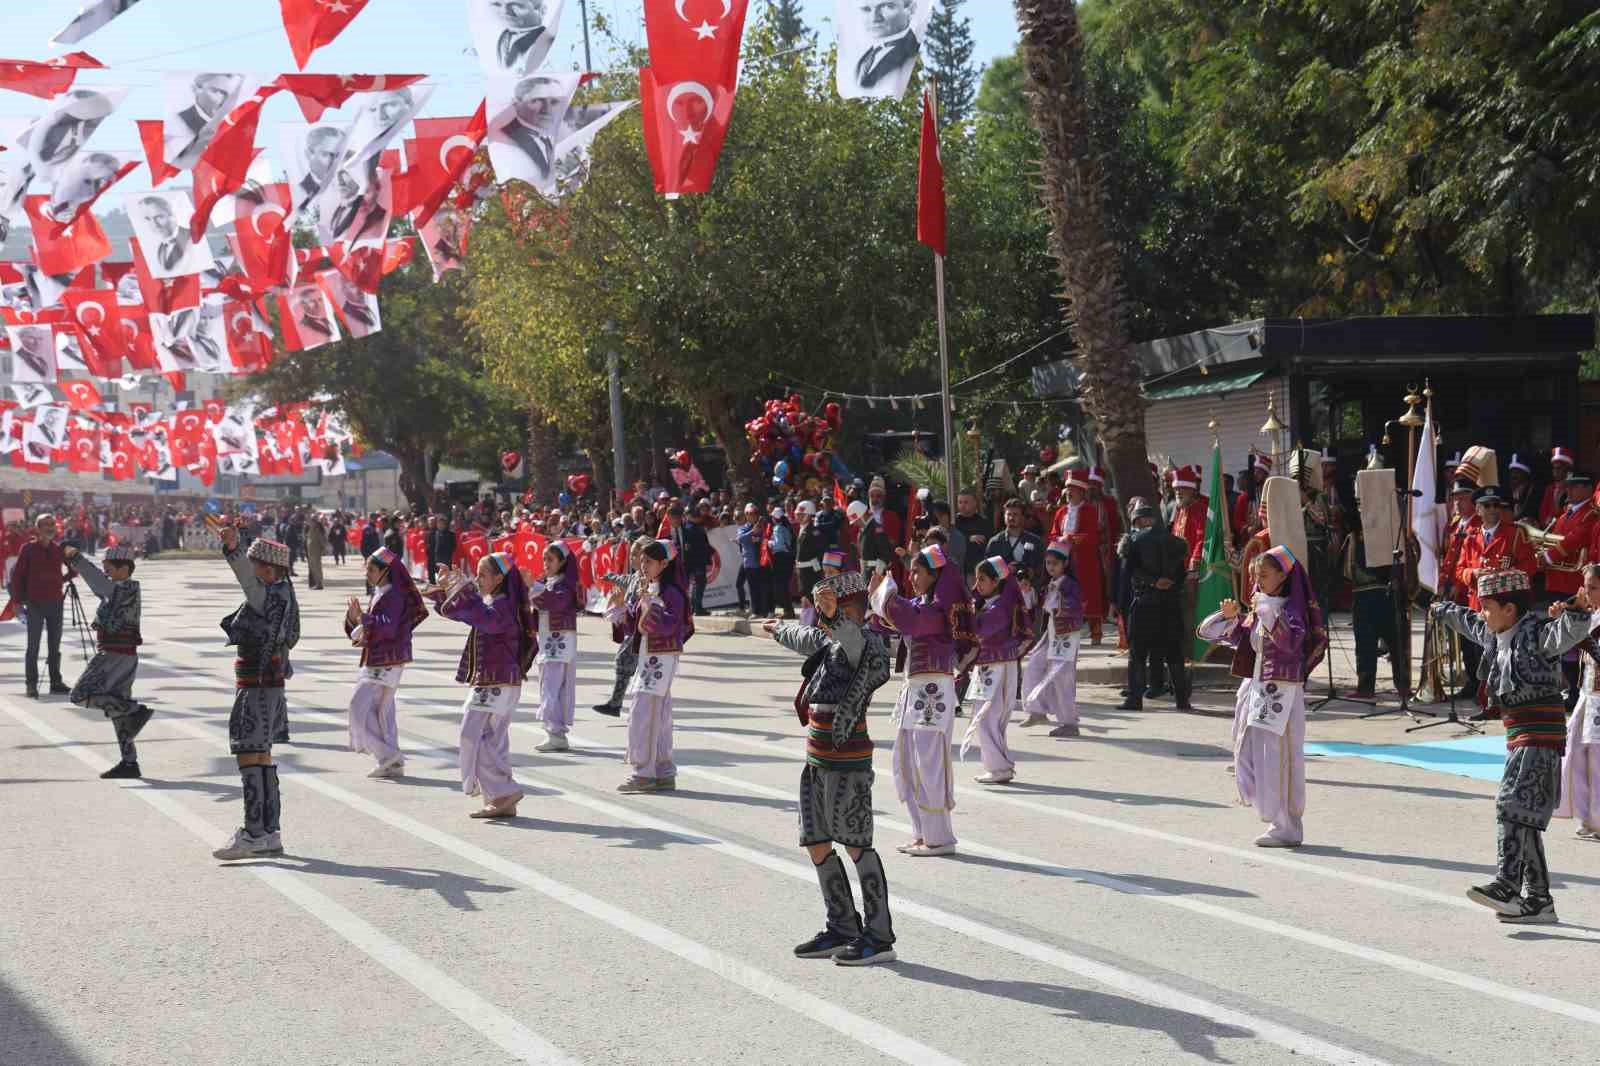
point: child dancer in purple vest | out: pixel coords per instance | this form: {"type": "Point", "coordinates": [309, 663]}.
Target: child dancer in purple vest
{"type": "Point", "coordinates": [658, 624]}
{"type": "Point", "coordinates": [557, 607]}
{"type": "Point", "coordinates": [383, 633]}
{"type": "Point", "coordinates": [1001, 625]}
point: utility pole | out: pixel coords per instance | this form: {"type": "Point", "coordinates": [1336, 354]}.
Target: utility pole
{"type": "Point", "coordinates": [588, 60]}
{"type": "Point", "coordinates": [619, 455]}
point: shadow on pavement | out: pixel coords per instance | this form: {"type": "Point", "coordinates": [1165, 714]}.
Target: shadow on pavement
{"type": "Point", "coordinates": [1125, 799]}
{"type": "Point", "coordinates": [1195, 1034]}
{"type": "Point", "coordinates": [30, 1038]}
{"type": "Point", "coordinates": [454, 888]}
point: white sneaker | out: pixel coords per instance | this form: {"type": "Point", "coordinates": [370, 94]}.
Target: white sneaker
{"type": "Point", "coordinates": [1585, 833]}
{"type": "Point", "coordinates": [392, 768]}
{"type": "Point", "coordinates": [996, 777]}
{"type": "Point", "coordinates": [553, 742]}
{"type": "Point", "coordinates": [1267, 840]}
{"type": "Point", "coordinates": [1036, 719]}
{"type": "Point", "coordinates": [245, 846]}
{"type": "Point", "coordinates": [923, 851]}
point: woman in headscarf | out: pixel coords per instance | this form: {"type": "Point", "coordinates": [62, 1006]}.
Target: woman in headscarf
{"type": "Point", "coordinates": [660, 621]}
{"type": "Point", "coordinates": [937, 629]}
{"type": "Point", "coordinates": [556, 604]}
{"type": "Point", "coordinates": [383, 633]}
{"type": "Point", "coordinates": [1277, 643]}
{"type": "Point", "coordinates": [493, 664]}
{"type": "Point", "coordinates": [1001, 626]}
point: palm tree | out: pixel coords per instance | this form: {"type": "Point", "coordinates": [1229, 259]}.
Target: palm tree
{"type": "Point", "coordinates": [1073, 188]}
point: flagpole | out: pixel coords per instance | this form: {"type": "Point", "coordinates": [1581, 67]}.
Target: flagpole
{"type": "Point", "coordinates": [944, 349]}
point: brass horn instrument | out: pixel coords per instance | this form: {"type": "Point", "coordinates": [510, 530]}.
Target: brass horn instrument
{"type": "Point", "coordinates": [1540, 538]}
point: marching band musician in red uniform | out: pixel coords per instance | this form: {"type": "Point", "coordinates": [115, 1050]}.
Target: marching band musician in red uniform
{"type": "Point", "coordinates": [1555, 494]}
{"type": "Point", "coordinates": [1497, 545]}
{"type": "Point", "coordinates": [1576, 524]}
{"type": "Point", "coordinates": [1248, 518]}
{"type": "Point", "coordinates": [1464, 524]}
{"type": "Point", "coordinates": [1078, 523]}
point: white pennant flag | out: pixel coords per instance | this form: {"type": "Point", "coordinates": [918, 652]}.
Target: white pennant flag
{"type": "Point", "coordinates": [1424, 512]}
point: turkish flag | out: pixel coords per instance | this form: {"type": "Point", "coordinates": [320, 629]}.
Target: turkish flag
{"type": "Point", "coordinates": [98, 320]}
{"type": "Point", "coordinates": [314, 23]}
{"type": "Point", "coordinates": [81, 395]}
{"type": "Point", "coordinates": [190, 422]}
{"type": "Point", "coordinates": [65, 247]}
{"type": "Point", "coordinates": [48, 79]}
{"type": "Point", "coordinates": [124, 463]}
{"type": "Point", "coordinates": [215, 410]}
{"type": "Point", "coordinates": [436, 160]}
{"type": "Point", "coordinates": [397, 254]}
{"type": "Point", "coordinates": [225, 164]}
{"type": "Point", "coordinates": [262, 236]}
{"type": "Point", "coordinates": [684, 126]}
{"type": "Point", "coordinates": [177, 379]}
{"type": "Point", "coordinates": [204, 464]}
{"type": "Point", "coordinates": [695, 40]}
{"type": "Point", "coordinates": [361, 265]}
{"type": "Point", "coordinates": [141, 342]}
{"type": "Point", "coordinates": [249, 337]}
{"type": "Point", "coordinates": [471, 549]}
{"type": "Point", "coordinates": [930, 181]}
{"type": "Point", "coordinates": [153, 135]}
{"type": "Point", "coordinates": [83, 451]}
{"type": "Point", "coordinates": [315, 93]}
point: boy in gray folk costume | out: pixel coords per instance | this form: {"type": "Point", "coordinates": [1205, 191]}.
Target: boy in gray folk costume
{"type": "Point", "coordinates": [845, 663]}
{"type": "Point", "coordinates": [1521, 671]}
{"type": "Point", "coordinates": [264, 628]}
{"type": "Point", "coordinates": [107, 682]}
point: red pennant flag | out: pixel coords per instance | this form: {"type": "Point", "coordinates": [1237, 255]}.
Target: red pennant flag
{"type": "Point", "coordinates": [225, 164]}
{"type": "Point", "coordinates": [263, 238]}
{"type": "Point", "coordinates": [81, 395]}
{"type": "Point", "coordinates": [177, 379]}
{"type": "Point", "coordinates": [315, 93]}
{"type": "Point", "coordinates": [684, 125]}
{"type": "Point", "coordinates": [699, 45]}
{"type": "Point", "coordinates": [249, 338]}
{"type": "Point", "coordinates": [397, 254]}
{"type": "Point", "coordinates": [48, 79]}
{"type": "Point", "coordinates": [153, 134]}
{"type": "Point", "coordinates": [361, 265]}
{"type": "Point", "coordinates": [65, 247]}
{"type": "Point", "coordinates": [141, 342]}
{"type": "Point", "coordinates": [124, 464]}
{"type": "Point", "coordinates": [215, 410]}
{"type": "Point", "coordinates": [437, 160]}
{"type": "Point", "coordinates": [204, 465]}
{"type": "Point", "coordinates": [930, 181]}
{"type": "Point", "coordinates": [314, 23]}
{"type": "Point", "coordinates": [83, 451]}
{"type": "Point", "coordinates": [98, 320]}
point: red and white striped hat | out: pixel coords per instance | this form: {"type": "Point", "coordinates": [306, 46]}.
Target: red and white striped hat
{"type": "Point", "coordinates": [1076, 478]}
{"type": "Point", "coordinates": [1558, 454]}
{"type": "Point", "coordinates": [1097, 475]}
{"type": "Point", "coordinates": [1187, 477]}
{"type": "Point", "coordinates": [1516, 463]}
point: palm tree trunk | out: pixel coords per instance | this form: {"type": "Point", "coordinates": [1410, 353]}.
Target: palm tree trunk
{"type": "Point", "coordinates": [1073, 189]}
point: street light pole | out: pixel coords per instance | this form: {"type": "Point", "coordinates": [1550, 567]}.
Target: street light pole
{"type": "Point", "coordinates": [619, 457]}
{"type": "Point", "coordinates": [588, 62]}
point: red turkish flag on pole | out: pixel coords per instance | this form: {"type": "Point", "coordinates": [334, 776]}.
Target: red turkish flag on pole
{"type": "Point", "coordinates": [65, 247]}
{"type": "Point", "coordinates": [141, 342]}
{"type": "Point", "coordinates": [83, 451]}
{"type": "Point", "coordinates": [314, 23]}
{"type": "Point", "coordinates": [261, 232]}
{"type": "Point", "coordinates": [249, 337]}
{"type": "Point", "coordinates": [316, 93]}
{"type": "Point", "coordinates": [98, 320]}
{"type": "Point", "coordinates": [225, 164]}
{"type": "Point", "coordinates": [685, 123]}
{"type": "Point", "coordinates": [695, 40]}
{"type": "Point", "coordinates": [436, 161]}
{"type": "Point", "coordinates": [47, 79]}
{"type": "Point", "coordinates": [930, 181]}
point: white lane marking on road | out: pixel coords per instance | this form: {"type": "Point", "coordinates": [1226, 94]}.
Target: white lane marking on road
{"type": "Point", "coordinates": [863, 1030]}
{"type": "Point", "coordinates": [479, 1014]}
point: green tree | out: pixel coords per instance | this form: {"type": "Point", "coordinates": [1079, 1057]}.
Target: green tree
{"type": "Point", "coordinates": [412, 390]}
{"type": "Point", "coordinates": [788, 23]}
{"type": "Point", "coordinates": [948, 50]}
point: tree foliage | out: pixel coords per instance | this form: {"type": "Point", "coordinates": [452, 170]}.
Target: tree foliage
{"type": "Point", "coordinates": [948, 52]}
{"type": "Point", "coordinates": [788, 23]}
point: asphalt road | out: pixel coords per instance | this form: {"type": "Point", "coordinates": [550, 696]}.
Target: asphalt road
{"type": "Point", "coordinates": [1108, 907]}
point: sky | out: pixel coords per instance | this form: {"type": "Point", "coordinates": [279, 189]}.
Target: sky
{"type": "Point", "coordinates": [388, 37]}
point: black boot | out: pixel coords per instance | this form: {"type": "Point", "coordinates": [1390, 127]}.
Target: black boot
{"type": "Point", "coordinates": [844, 924]}
{"type": "Point", "coordinates": [122, 771]}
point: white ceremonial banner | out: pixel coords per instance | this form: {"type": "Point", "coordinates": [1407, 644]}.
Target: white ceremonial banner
{"type": "Point", "coordinates": [93, 15]}
{"type": "Point", "coordinates": [1424, 521]}
{"type": "Point", "coordinates": [196, 104]}
{"type": "Point", "coordinates": [513, 36]}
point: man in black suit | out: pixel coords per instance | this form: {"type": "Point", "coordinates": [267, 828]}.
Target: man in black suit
{"type": "Point", "coordinates": [172, 241]}
{"type": "Point", "coordinates": [538, 103]}
{"type": "Point", "coordinates": [1151, 597]}
{"type": "Point", "coordinates": [524, 27]}
{"type": "Point", "coordinates": [213, 94]}
{"type": "Point", "coordinates": [887, 24]}
{"type": "Point", "coordinates": [444, 548]}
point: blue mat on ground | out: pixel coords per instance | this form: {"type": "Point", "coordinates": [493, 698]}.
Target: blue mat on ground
{"type": "Point", "coordinates": [1481, 757]}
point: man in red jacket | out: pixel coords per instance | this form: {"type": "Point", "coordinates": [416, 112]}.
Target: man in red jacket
{"type": "Point", "coordinates": [38, 583]}
{"type": "Point", "coordinates": [1189, 522]}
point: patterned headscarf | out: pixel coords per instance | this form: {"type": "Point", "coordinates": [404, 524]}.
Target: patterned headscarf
{"type": "Point", "coordinates": [404, 587]}
{"type": "Point", "coordinates": [1300, 605]}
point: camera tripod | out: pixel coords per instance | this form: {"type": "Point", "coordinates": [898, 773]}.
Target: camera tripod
{"type": "Point", "coordinates": [79, 620]}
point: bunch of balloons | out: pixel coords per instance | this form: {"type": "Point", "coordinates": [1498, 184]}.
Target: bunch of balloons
{"type": "Point", "coordinates": [792, 447]}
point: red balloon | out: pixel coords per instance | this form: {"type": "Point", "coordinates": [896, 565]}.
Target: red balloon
{"type": "Point", "coordinates": [578, 484]}
{"type": "Point", "coordinates": [510, 461]}
{"type": "Point", "coordinates": [833, 415]}
{"type": "Point", "coordinates": [1047, 456]}
{"type": "Point", "coordinates": [824, 464]}
{"type": "Point", "coordinates": [682, 459]}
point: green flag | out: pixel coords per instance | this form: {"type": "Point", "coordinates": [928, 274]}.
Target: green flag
{"type": "Point", "coordinates": [1216, 575]}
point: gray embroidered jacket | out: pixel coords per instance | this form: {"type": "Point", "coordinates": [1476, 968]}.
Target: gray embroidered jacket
{"type": "Point", "coordinates": [855, 664]}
